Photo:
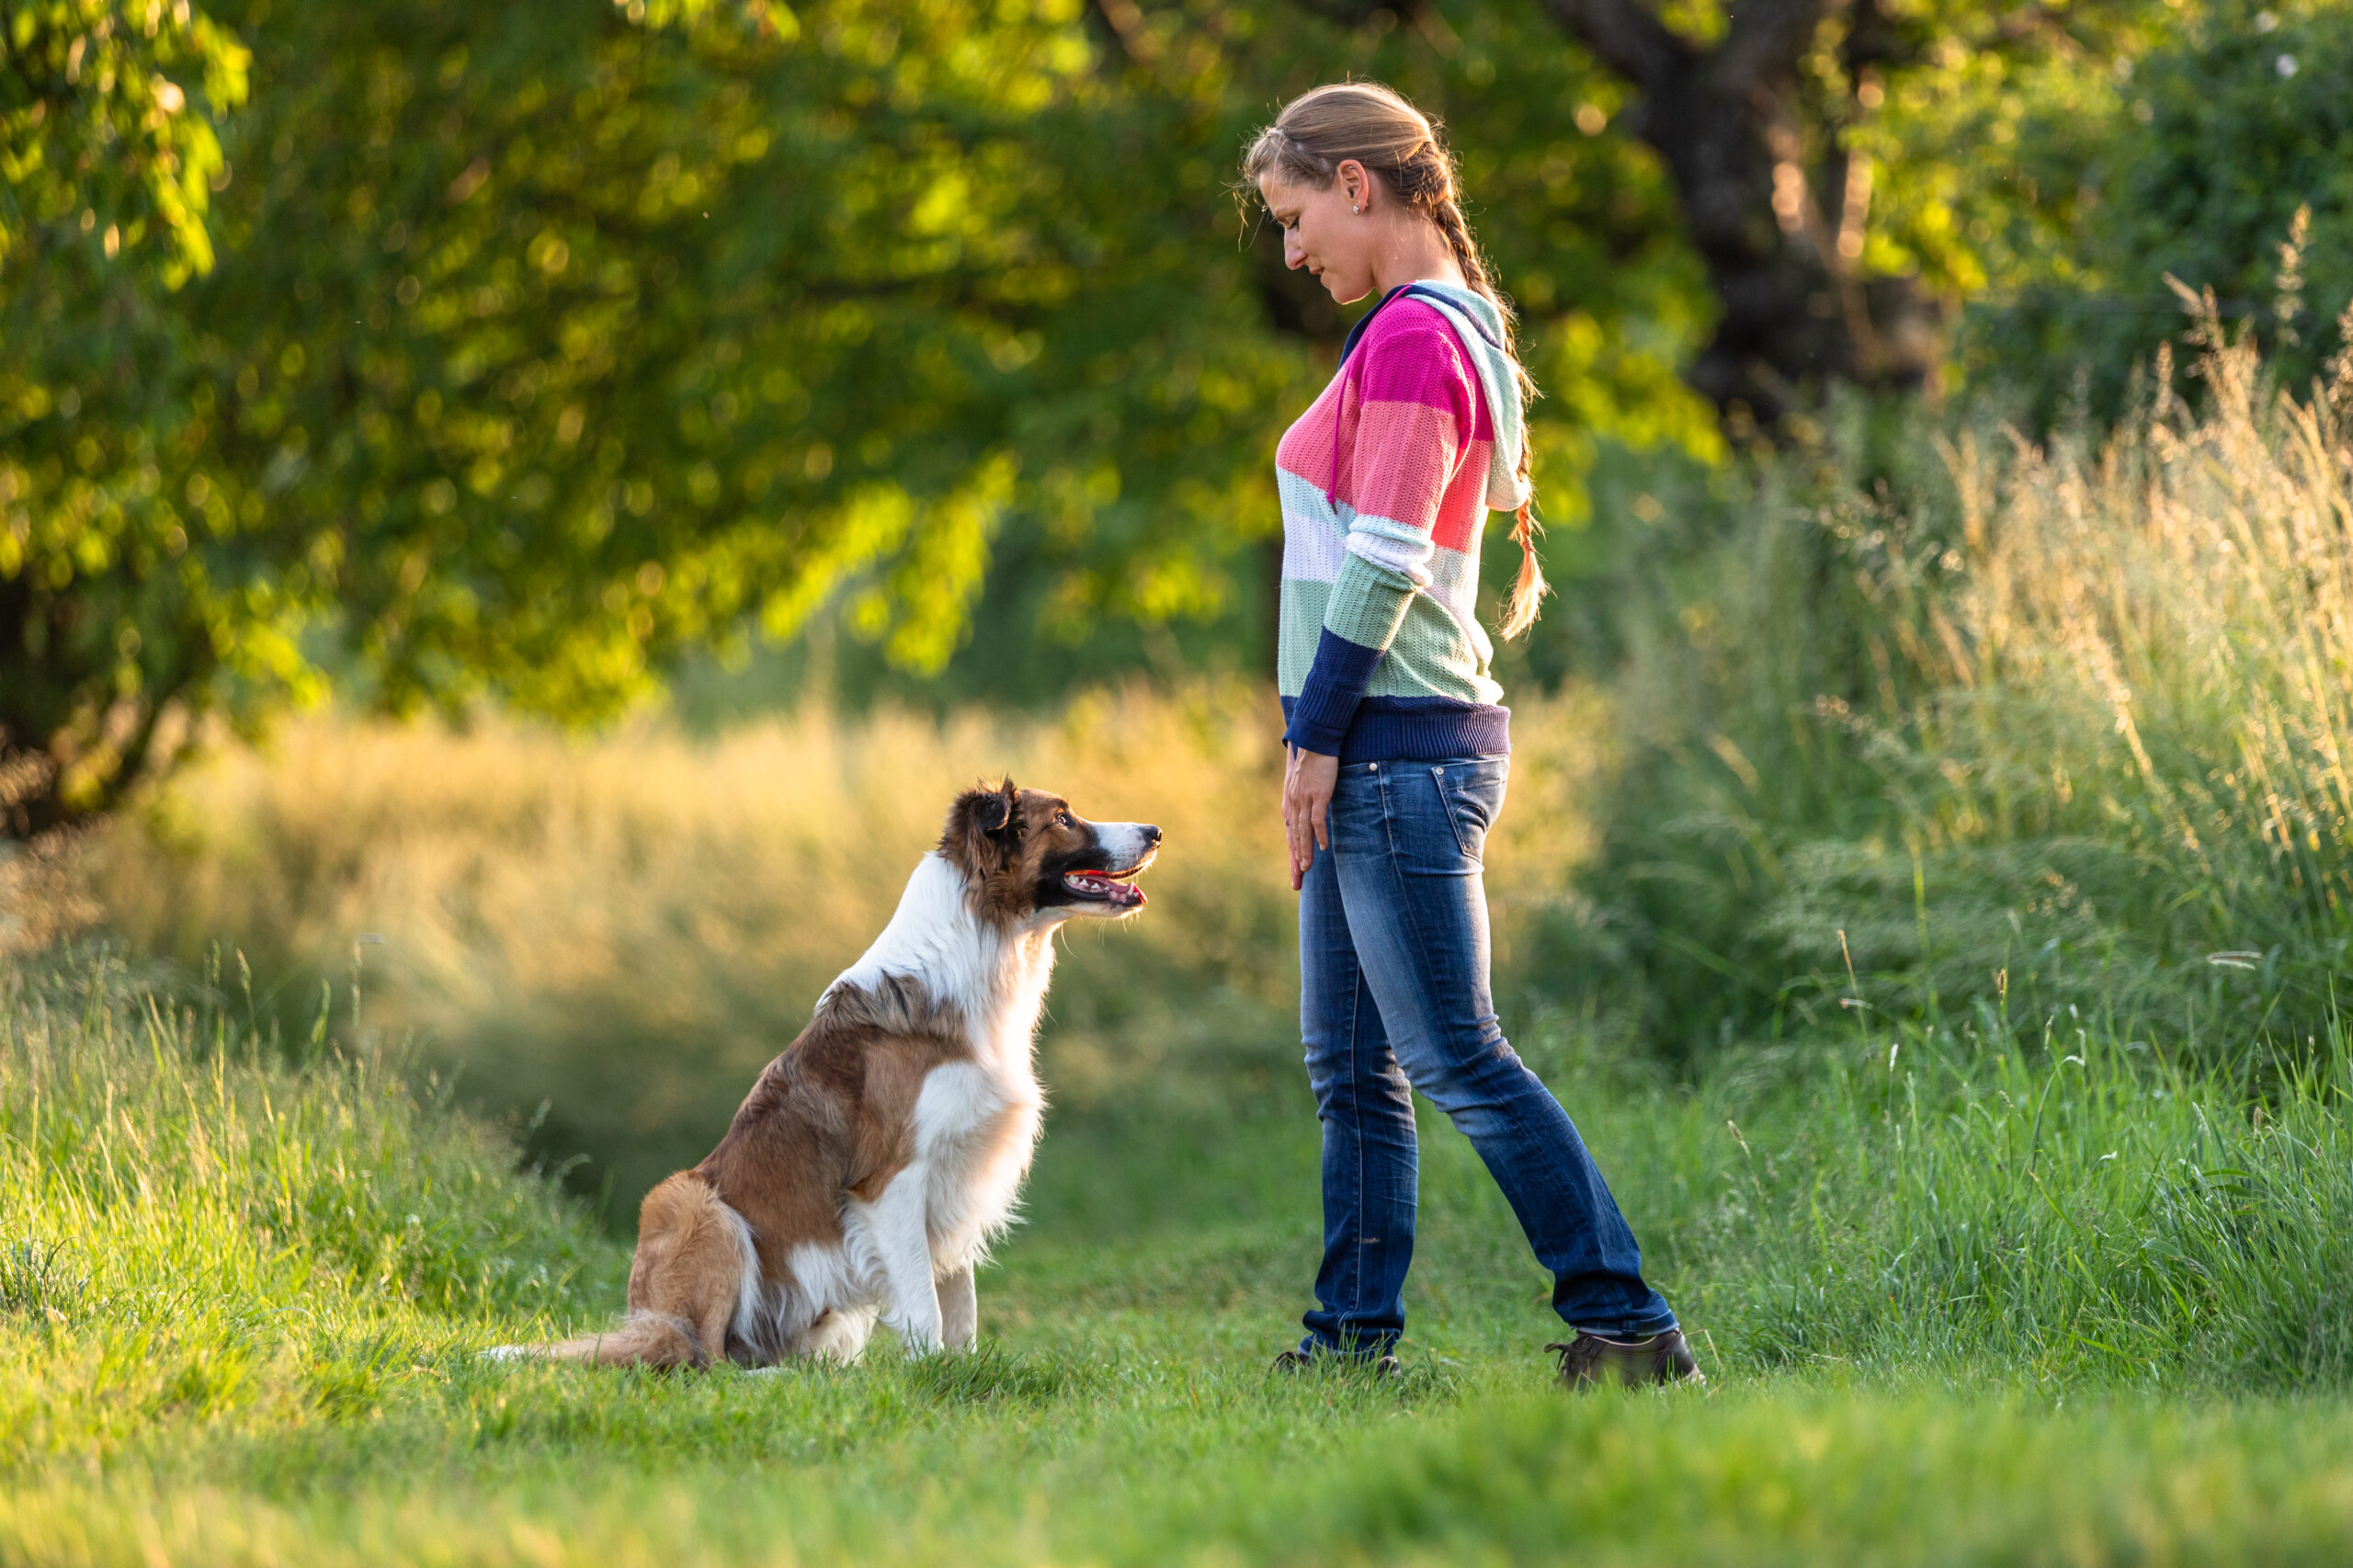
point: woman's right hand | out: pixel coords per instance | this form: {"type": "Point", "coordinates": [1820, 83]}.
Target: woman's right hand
{"type": "Point", "coordinates": [1309, 778]}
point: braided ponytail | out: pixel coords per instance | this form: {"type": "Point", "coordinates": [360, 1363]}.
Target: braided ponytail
{"type": "Point", "coordinates": [1403, 148]}
{"type": "Point", "coordinates": [1528, 588]}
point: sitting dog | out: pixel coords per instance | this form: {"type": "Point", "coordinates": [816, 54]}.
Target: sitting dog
{"type": "Point", "coordinates": [876, 1158]}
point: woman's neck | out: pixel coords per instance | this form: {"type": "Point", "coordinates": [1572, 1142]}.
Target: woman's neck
{"type": "Point", "coordinates": [1414, 251]}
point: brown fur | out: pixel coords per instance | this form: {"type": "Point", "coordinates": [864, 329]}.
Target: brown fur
{"type": "Point", "coordinates": [999, 838]}
{"type": "Point", "coordinates": [832, 1116]}
{"type": "Point", "coordinates": [681, 1284]}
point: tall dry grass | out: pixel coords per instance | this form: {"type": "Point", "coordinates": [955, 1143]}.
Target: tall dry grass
{"type": "Point", "coordinates": [1971, 713]}
{"type": "Point", "coordinates": [628, 927]}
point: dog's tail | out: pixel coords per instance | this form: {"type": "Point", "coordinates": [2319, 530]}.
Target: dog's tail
{"type": "Point", "coordinates": [640, 1339]}
{"type": "Point", "coordinates": [695, 1263]}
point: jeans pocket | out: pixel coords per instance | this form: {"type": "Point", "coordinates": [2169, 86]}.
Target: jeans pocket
{"type": "Point", "coordinates": [1469, 798]}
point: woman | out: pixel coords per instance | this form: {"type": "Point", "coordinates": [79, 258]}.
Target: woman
{"type": "Point", "coordinates": [1398, 747]}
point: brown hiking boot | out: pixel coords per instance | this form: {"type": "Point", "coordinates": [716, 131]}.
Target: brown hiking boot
{"type": "Point", "coordinates": [1588, 1361]}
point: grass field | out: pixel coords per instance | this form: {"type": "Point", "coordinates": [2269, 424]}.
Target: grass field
{"type": "Point", "coordinates": [1997, 1303]}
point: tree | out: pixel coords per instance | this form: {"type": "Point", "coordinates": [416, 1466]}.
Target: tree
{"type": "Point", "coordinates": [545, 347]}
{"type": "Point", "coordinates": [2230, 130]}
{"type": "Point", "coordinates": [108, 158]}
{"type": "Point", "coordinates": [1767, 114]}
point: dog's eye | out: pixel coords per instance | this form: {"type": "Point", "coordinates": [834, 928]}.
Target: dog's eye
{"type": "Point", "coordinates": [1061, 819]}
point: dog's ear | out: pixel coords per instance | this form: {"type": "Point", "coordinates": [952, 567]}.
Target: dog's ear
{"type": "Point", "coordinates": [982, 826]}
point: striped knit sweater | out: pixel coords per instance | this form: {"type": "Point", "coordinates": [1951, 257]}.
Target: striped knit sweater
{"type": "Point", "coordinates": [1386, 483]}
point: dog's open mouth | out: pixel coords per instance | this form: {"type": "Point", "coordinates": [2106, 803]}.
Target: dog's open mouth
{"type": "Point", "coordinates": [1105, 887]}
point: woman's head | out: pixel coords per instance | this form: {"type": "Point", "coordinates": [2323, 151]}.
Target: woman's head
{"type": "Point", "coordinates": [1345, 162]}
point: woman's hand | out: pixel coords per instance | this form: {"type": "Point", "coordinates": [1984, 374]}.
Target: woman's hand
{"type": "Point", "coordinates": [1308, 780]}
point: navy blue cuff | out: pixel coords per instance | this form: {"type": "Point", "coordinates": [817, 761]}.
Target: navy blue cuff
{"type": "Point", "coordinates": [1327, 700]}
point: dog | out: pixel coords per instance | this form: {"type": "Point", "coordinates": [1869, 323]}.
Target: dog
{"type": "Point", "coordinates": [875, 1160]}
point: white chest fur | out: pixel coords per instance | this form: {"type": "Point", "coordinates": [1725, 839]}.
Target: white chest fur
{"type": "Point", "coordinates": [975, 1135]}
{"type": "Point", "coordinates": [976, 1123]}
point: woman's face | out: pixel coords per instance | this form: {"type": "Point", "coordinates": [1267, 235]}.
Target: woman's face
{"type": "Point", "coordinates": [1324, 232]}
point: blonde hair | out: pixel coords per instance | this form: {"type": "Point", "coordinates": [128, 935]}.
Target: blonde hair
{"type": "Point", "coordinates": [1402, 147]}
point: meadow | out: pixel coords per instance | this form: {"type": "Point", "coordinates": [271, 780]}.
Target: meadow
{"type": "Point", "coordinates": [1959, 1302]}
{"type": "Point", "coordinates": [1928, 924]}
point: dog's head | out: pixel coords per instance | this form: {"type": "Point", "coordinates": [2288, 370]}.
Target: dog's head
{"type": "Point", "coordinates": [1026, 856]}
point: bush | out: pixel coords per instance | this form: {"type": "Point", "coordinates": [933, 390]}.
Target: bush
{"type": "Point", "coordinates": [1972, 717]}
{"type": "Point", "coordinates": [2234, 124]}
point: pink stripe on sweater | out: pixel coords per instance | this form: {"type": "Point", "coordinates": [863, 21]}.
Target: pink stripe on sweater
{"type": "Point", "coordinates": [1421, 363]}
{"type": "Point", "coordinates": [1306, 447]}
{"type": "Point", "coordinates": [1395, 419]}
{"type": "Point", "coordinates": [1403, 458]}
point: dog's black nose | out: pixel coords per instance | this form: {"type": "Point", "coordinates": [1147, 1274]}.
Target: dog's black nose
{"type": "Point", "coordinates": [1151, 834]}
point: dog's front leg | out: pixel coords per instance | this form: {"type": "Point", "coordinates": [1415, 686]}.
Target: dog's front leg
{"type": "Point", "coordinates": [902, 1242]}
{"type": "Point", "coordinates": [959, 1310]}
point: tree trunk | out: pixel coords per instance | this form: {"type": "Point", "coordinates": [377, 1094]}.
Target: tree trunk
{"type": "Point", "coordinates": [61, 702]}
{"type": "Point", "coordinates": [1782, 243]}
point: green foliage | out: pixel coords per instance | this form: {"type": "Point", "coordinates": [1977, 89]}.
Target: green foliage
{"type": "Point", "coordinates": [621, 335]}
{"type": "Point", "coordinates": [102, 154]}
{"type": "Point", "coordinates": [1979, 133]}
{"type": "Point", "coordinates": [542, 354]}
{"type": "Point", "coordinates": [1959, 714]}
{"type": "Point", "coordinates": [2233, 125]}
{"type": "Point", "coordinates": [108, 160]}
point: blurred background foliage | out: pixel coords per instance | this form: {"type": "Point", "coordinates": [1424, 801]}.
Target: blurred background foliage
{"type": "Point", "coordinates": [432, 353]}
{"type": "Point", "coordinates": [834, 400]}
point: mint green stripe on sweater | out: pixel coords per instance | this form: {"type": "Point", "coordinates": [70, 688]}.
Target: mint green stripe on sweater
{"type": "Point", "coordinates": [1368, 603]}
{"type": "Point", "coordinates": [1303, 603]}
{"type": "Point", "coordinates": [1433, 657]}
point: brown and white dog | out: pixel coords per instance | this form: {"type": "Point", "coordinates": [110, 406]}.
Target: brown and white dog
{"type": "Point", "coordinates": [876, 1158]}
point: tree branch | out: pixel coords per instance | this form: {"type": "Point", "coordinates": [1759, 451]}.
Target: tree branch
{"type": "Point", "coordinates": [1624, 36]}
{"type": "Point", "coordinates": [1124, 20]}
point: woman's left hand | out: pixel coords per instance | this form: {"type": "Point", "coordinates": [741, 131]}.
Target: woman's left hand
{"type": "Point", "coordinates": [1309, 777]}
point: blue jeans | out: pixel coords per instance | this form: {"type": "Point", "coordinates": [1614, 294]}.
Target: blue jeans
{"type": "Point", "coordinates": [1393, 997]}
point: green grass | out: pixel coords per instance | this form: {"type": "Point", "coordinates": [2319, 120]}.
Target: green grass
{"type": "Point", "coordinates": [1985, 1303]}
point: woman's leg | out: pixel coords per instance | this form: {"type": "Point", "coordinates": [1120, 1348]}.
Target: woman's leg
{"type": "Point", "coordinates": [1415, 902]}
{"type": "Point", "coordinates": [1371, 1160]}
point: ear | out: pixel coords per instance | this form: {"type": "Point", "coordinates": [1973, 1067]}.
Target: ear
{"type": "Point", "coordinates": [1355, 184]}
{"type": "Point", "coordinates": [982, 825]}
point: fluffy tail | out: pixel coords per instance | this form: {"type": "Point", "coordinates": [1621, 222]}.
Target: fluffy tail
{"type": "Point", "coordinates": [694, 1262]}
{"type": "Point", "coordinates": [642, 1339]}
